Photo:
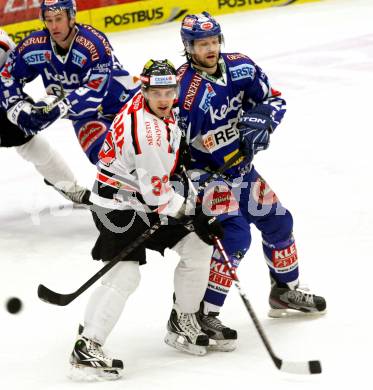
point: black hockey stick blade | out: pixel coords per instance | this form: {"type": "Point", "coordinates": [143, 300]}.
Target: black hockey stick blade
{"type": "Point", "coordinates": [310, 367]}
{"type": "Point", "coordinates": [49, 296]}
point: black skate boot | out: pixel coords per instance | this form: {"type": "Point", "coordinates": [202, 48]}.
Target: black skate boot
{"type": "Point", "coordinates": [222, 338]}
{"type": "Point", "coordinates": [184, 333]}
{"type": "Point", "coordinates": [89, 358]}
{"type": "Point", "coordinates": [76, 194]}
{"type": "Point", "coordinates": [285, 302]}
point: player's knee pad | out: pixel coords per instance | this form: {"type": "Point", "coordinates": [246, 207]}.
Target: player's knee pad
{"type": "Point", "coordinates": [124, 277]}
{"type": "Point", "coordinates": [37, 150]}
{"type": "Point", "coordinates": [193, 252]}
{"type": "Point", "coordinates": [279, 228]}
{"type": "Point", "coordinates": [106, 304]}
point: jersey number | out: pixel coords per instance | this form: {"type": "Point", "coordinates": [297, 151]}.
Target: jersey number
{"type": "Point", "coordinates": [160, 185]}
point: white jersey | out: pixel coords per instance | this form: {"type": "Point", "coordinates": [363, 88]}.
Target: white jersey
{"type": "Point", "coordinates": [139, 154]}
{"type": "Point", "coordinates": [6, 45]}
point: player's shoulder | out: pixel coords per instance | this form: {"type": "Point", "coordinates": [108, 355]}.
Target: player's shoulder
{"type": "Point", "coordinates": [236, 58]}
{"type": "Point", "coordinates": [36, 40]}
{"type": "Point", "coordinates": [90, 37]}
{"type": "Point", "coordinates": [183, 70]}
{"type": "Point", "coordinates": [6, 42]}
{"type": "Point", "coordinates": [133, 106]}
{"type": "Point", "coordinates": [239, 66]}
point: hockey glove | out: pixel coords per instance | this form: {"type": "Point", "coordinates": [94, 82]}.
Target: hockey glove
{"type": "Point", "coordinates": [184, 157]}
{"type": "Point", "coordinates": [255, 127]}
{"type": "Point", "coordinates": [33, 118]}
{"type": "Point", "coordinates": [207, 226]}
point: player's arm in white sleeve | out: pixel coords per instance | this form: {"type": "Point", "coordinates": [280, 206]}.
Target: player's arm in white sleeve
{"type": "Point", "coordinates": [6, 45]}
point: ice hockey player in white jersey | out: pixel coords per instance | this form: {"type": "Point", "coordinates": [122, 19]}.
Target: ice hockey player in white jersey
{"type": "Point", "coordinates": [34, 148]}
{"type": "Point", "coordinates": [131, 192]}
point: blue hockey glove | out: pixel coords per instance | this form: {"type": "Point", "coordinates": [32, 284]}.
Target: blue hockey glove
{"type": "Point", "coordinates": [255, 127]}
{"type": "Point", "coordinates": [33, 118]}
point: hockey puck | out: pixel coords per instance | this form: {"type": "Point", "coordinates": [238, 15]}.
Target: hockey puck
{"type": "Point", "coordinates": [14, 305]}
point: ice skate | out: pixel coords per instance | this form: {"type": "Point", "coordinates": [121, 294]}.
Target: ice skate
{"type": "Point", "coordinates": [222, 338]}
{"type": "Point", "coordinates": [89, 362]}
{"type": "Point", "coordinates": [184, 333]}
{"type": "Point", "coordinates": [285, 302]}
{"type": "Point", "coordinates": [76, 194]}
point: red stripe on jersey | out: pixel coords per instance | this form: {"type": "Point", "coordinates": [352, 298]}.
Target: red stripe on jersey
{"type": "Point", "coordinates": [135, 138]}
{"type": "Point", "coordinates": [114, 183]}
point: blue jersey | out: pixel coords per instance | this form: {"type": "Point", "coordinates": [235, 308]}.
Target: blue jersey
{"type": "Point", "coordinates": [211, 105]}
{"type": "Point", "coordinates": [92, 78]}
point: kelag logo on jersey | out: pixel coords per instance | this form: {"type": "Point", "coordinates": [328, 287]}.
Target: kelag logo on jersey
{"type": "Point", "coordinates": [242, 72]}
{"type": "Point", "coordinates": [206, 98]}
{"type": "Point", "coordinates": [78, 58]}
{"type": "Point", "coordinates": [37, 57]}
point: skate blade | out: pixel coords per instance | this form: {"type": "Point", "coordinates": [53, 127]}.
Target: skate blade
{"type": "Point", "coordinates": [180, 343]}
{"type": "Point", "coordinates": [292, 313]}
{"type": "Point", "coordinates": [222, 345]}
{"type": "Point", "coordinates": [80, 373]}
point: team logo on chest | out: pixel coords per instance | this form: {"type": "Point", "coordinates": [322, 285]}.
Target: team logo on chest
{"type": "Point", "coordinates": [37, 57]}
{"type": "Point", "coordinates": [78, 58]}
{"type": "Point", "coordinates": [233, 104]}
{"type": "Point", "coordinates": [244, 71]}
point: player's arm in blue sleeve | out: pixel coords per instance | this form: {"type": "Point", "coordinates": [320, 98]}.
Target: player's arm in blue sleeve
{"type": "Point", "coordinates": [260, 96]}
{"type": "Point", "coordinates": [13, 77]}
{"type": "Point", "coordinates": [87, 99]}
{"type": "Point", "coordinates": [21, 110]}
{"type": "Point", "coordinates": [263, 110]}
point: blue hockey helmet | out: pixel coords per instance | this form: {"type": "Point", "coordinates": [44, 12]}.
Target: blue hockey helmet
{"type": "Point", "coordinates": [199, 26]}
{"type": "Point", "coordinates": [57, 5]}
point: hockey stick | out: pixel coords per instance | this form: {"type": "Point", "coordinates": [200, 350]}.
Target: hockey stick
{"type": "Point", "coordinates": [61, 94]}
{"type": "Point", "coordinates": [309, 367]}
{"type": "Point", "coordinates": [49, 296]}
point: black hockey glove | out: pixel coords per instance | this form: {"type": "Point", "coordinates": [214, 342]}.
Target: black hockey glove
{"type": "Point", "coordinates": [207, 226]}
{"type": "Point", "coordinates": [255, 127]}
{"type": "Point", "coordinates": [184, 156]}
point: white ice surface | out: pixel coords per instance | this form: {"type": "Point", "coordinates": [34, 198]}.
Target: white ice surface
{"type": "Point", "coordinates": [321, 57]}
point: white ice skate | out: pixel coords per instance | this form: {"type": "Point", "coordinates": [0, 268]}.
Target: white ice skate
{"type": "Point", "coordinates": [90, 363]}
{"type": "Point", "coordinates": [184, 333]}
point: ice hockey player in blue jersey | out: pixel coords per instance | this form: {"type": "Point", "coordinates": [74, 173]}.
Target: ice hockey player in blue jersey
{"type": "Point", "coordinates": [35, 148]}
{"type": "Point", "coordinates": [228, 105]}
{"type": "Point", "coordinates": [83, 79]}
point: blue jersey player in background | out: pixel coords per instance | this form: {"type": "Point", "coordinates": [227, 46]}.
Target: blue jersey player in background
{"type": "Point", "coordinates": [228, 105]}
{"type": "Point", "coordinates": [82, 77]}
